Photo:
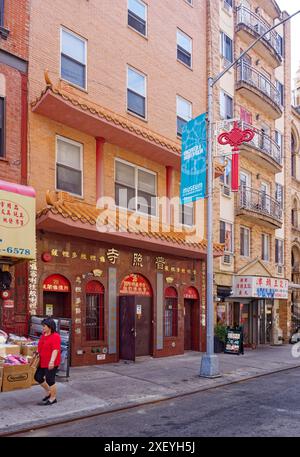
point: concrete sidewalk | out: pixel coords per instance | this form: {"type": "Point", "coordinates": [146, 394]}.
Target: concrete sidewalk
{"type": "Point", "coordinates": [103, 388]}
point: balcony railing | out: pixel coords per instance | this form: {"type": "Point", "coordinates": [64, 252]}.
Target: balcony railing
{"type": "Point", "coordinates": [249, 75]}
{"type": "Point", "coordinates": [259, 202]}
{"type": "Point", "coordinates": [264, 143]}
{"type": "Point", "coordinates": [259, 26]}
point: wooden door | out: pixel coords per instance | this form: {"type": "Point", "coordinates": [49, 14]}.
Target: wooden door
{"type": "Point", "coordinates": [187, 325]}
{"type": "Point", "coordinates": [60, 304]}
{"type": "Point", "coordinates": [127, 327]}
{"type": "Point", "coordinates": [143, 323]}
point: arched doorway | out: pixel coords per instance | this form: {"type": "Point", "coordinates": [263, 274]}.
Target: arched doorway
{"type": "Point", "coordinates": [94, 314]}
{"type": "Point", "coordinates": [171, 312]}
{"type": "Point", "coordinates": [191, 319]}
{"type": "Point", "coordinates": [135, 303]}
{"type": "Point", "coordinates": [57, 296]}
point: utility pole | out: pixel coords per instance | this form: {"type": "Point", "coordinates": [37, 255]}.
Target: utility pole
{"type": "Point", "coordinates": [210, 362]}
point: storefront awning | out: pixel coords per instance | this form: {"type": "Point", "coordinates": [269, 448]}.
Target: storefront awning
{"type": "Point", "coordinates": [72, 217]}
{"type": "Point", "coordinates": [17, 222]}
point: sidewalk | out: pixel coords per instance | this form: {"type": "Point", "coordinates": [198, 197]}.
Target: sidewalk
{"type": "Point", "coordinates": [102, 388]}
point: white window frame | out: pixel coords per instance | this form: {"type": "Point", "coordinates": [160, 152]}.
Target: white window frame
{"type": "Point", "coordinates": [232, 236]}
{"type": "Point", "coordinates": [85, 53]}
{"type": "Point", "coordinates": [223, 92]}
{"type": "Point", "coordinates": [146, 18]}
{"type": "Point", "coordinates": [136, 168]}
{"type": "Point", "coordinates": [282, 242]}
{"type": "Point", "coordinates": [191, 110]}
{"type": "Point", "coordinates": [249, 231]}
{"type": "Point", "coordinates": [146, 93]}
{"type": "Point", "coordinates": [181, 215]}
{"type": "Point", "coordinates": [74, 143]}
{"type": "Point", "coordinates": [178, 30]}
{"type": "Point", "coordinates": [222, 46]}
{"type": "Point", "coordinates": [268, 237]}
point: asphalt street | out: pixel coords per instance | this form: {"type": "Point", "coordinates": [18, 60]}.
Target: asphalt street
{"type": "Point", "coordinates": [265, 406]}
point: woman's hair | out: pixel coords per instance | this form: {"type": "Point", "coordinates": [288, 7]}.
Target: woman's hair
{"type": "Point", "coordinates": [50, 323]}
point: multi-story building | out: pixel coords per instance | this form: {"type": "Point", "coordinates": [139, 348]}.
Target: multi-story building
{"type": "Point", "coordinates": [251, 279]}
{"type": "Point", "coordinates": [17, 211]}
{"type": "Point", "coordinates": [295, 200]}
{"type": "Point", "coordinates": [110, 90]}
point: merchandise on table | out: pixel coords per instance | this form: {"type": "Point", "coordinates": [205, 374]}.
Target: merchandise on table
{"type": "Point", "coordinates": [3, 337]}
{"type": "Point", "coordinates": [14, 360]}
{"type": "Point", "coordinates": [9, 349]}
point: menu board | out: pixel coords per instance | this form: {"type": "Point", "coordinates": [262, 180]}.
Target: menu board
{"type": "Point", "coordinates": [233, 341]}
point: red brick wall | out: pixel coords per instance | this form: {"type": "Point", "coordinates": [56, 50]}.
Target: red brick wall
{"type": "Point", "coordinates": [16, 20]}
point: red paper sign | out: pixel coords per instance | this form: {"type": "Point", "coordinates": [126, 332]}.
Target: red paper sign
{"type": "Point", "coordinates": [56, 283]}
{"type": "Point", "coordinates": [191, 293]}
{"type": "Point", "coordinates": [8, 303]}
{"type": "Point", "coordinates": [135, 285]}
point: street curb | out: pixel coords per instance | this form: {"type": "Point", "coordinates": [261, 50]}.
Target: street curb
{"type": "Point", "coordinates": [72, 417]}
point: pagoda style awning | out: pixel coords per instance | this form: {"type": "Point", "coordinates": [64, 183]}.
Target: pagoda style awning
{"type": "Point", "coordinates": [72, 217]}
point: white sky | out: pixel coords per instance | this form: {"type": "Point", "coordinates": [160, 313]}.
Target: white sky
{"type": "Point", "coordinates": [291, 6]}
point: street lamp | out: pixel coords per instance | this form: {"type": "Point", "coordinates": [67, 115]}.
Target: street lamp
{"type": "Point", "coordinates": [210, 362]}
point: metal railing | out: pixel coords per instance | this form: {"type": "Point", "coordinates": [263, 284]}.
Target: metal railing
{"type": "Point", "coordinates": [264, 143]}
{"type": "Point", "coordinates": [259, 26]}
{"type": "Point", "coordinates": [247, 73]}
{"type": "Point", "coordinates": [259, 202]}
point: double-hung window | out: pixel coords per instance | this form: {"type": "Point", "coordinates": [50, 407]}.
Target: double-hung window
{"type": "Point", "coordinates": [184, 113]}
{"type": "Point", "coordinates": [245, 242]}
{"type": "Point", "coordinates": [73, 58]}
{"type": "Point", "coordinates": [184, 48]}
{"type": "Point", "coordinates": [278, 141]}
{"type": "Point", "coordinates": [265, 247]}
{"type": "Point", "coordinates": [226, 47]}
{"type": "Point", "coordinates": [187, 214]}
{"type": "Point", "coordinates": [69, 166]}
{"type": "Point", "coordinates": [136, 92]}
{"type": "Point", "coordinates": [279, 87]}
{"type": "Point", "coordinates": [279, 194]}
{"type": "Point", "coordinates": [226, 105]}
{"type": "Point", "coordinates": [226, 236]}
{"type": "Point", "coordinates": [279, 252]}
{"type": "Point", "coordinates": [225, 179]}
{"type": "Point", "coordinates": [137, 16]}
{"type": "Point", "coordinates": [135, 188]}
{"type": "Point", "coordinates": [2, 127]}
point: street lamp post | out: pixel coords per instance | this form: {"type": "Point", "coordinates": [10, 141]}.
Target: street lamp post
{"type": "Point", "coordinates": [210, 361]}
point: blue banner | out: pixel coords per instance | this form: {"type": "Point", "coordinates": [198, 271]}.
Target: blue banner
{"type": "Point", "coordinates": [193, 160]}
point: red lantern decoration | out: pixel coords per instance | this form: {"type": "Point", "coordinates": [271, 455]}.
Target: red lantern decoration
{"type": "Point", "coordinates": [46, 257]}
{"type": "Point", "coordinates": [235, 138]}
{"type": "Point", "coordinates": [5, 294]}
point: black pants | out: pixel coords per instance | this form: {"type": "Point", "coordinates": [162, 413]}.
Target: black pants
{"type": "Point", "coordinates": [43, 374]}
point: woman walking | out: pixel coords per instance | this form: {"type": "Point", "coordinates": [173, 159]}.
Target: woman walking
{"type": "Point", "coordinates": [49, 351]}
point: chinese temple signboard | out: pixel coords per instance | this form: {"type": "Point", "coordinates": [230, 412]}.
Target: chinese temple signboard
{"type": "Point", "coordinates": [56, 283]}
{"type": "Point", "coordinates": [17, 221]}
{"type": "Point", "coordinates": [260, 287]}
{"type": "Point", "coordinates": [135, 285]}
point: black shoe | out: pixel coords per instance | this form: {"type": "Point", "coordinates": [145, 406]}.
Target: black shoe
{"type": "Point", "coordinates": [46, 398]}
{"type": "Point", "coordinates": [50, 402]}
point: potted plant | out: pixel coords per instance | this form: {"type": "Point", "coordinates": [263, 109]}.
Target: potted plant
{"type": "Point", "coordinates": [219, 338]}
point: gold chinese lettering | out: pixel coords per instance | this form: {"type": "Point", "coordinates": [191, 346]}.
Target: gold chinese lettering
{"type": "Point", "coordinates": [137, 260]}
{"type": "Point", "coordinates": [160, 263]}
{"type": "Point", "coordinates": [65, 254]}
{"type": "Point", "coordinates": [54, 252]}
{"type": "Point", "coordinates": [112, 255]}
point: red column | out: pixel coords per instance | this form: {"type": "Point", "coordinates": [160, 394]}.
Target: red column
{"type": "Point", "coordinates": [99, 167]}
{"type": "Point", "coordinates": [169, 185]}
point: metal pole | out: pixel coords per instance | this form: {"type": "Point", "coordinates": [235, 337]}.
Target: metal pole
{"type": "Point", "coordinates": [209, 362]}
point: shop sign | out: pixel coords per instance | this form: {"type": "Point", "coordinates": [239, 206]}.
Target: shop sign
{"type": "Point", "coordinates": [17, 225]}
{"type": "Point", "coordinates": [8, 303]}
{"type": "Point", "coordinates": [191, 293]}
{"type": "Point", "coordinates": [135, 285]}
{"type": "Point", "coordinates": [56, 283]}
{"type": "Point", "coordinates": [260, 287]}
{"type": "Point", "coordinates": [233, 341]}
{"type": "Point", "coordinates": [49, 310]}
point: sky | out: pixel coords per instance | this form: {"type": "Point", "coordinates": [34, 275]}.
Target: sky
{"type": "Point", "coordinates": [291, 6]}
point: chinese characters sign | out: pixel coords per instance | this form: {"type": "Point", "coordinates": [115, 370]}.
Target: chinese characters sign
{"type": "Point", "coordinates": [260, 287]}
{"type": "Point", "coordinates": [135, 285]}
{"type": "Point", "coordinates": [56, 283]}
{"type": "Point", "coordinates": [17, 225]}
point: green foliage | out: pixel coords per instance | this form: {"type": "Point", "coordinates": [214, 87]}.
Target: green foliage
{"type": "Point", "coordinates": [220, 332]}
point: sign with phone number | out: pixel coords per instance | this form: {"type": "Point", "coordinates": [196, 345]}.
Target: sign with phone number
{"type": "Point", "coordinates": [19, 251]}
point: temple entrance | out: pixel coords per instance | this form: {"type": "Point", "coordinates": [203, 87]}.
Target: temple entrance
{"type": "Point", "coordinates": [57, 296]}
{"type": "Point", "coordinates": [191, 320]}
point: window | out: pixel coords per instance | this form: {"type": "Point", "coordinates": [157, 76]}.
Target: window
{"type": "Point", "coordinates": [190, 1]}
{"type": "Point", "coordinates": [228, 3]}
{"type": "Point", "coordinates": [278, 141]}
{"type": "Point", "coordinates": [187, 214]}
{"type": "Point", "coordinates": [137, 16]}
{"type": "Point", "coordinates": [184, 113]}
{"type": "Point", "coordinates": [94, 319]}
{"type": "Point", "coordinates": [279, 87]}
{"type": "Point", "coordinates": [279, 194]}
{"type": "Point", "coordinates": [295, 214]}
{"type": "Point", "coordinates": [293, 156]}
{"type": "Point", "coordinates": [73, 58]}
{"type": "Point", "coordinates": [279, 252]}
{"type": "Point", "coordinates": [2, 127]}
{"type": "Point", "coordinates": [245, 115]}
{"type": "Point", "coordinates": [280, 45]}
{"type": "Point", "coordinates": [226, 106]}
{"type": "Point", "coordinates": [135, 188]}
{"type": "Point", "coordinates": [1, 13]}
{"type": "Point", "coordinates": [226, 177]}
{"type": "Point", "coordinates": [136, 92]}
{"type": "Point", "coordinates": [171, 312]}
{"type": "Point", "coordinates": [184, 48]}
{"type": "Point", "coordinates": [226, 47]}
{"type": "Point", "coordinates": [68, 166]}
{"type": "Point", "coordinates": [245, 242]}
{"type": "Point", "coordinates": [265, 247]}
{"type": "Point", "coordinates": [226, 236]}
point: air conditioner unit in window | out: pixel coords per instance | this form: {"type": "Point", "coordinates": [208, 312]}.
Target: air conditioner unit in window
{"type": "Point", "coordinates": [280, 269]}
{"type": "Point", "coordinates": [226, 191]}
{"type": "Point", "coordinates": [227, 259]}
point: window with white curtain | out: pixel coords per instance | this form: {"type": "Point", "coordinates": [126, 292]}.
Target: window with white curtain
{"type": "Point", "coordinates": [265, 247]}
{"type": "Point", "coordinates": [245, 241]}
{"type": "Point", "coordinates": [226, 105]}
{"type": "Point", "coordinates": [69, 166]}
